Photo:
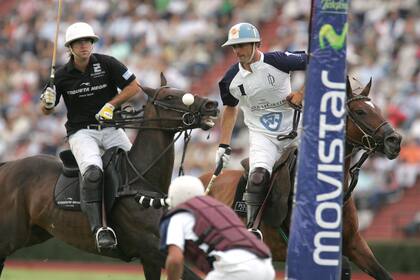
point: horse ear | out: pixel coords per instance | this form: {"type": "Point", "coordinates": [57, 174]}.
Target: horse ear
{"type": "Point", "coordinates": [163, 81]}
{"type": "Point", "coordinates": [366, 90]}
{"type": "Point", "coordinates": [148, 91]}
{"type": "Point", "coordinates": [349, 90]}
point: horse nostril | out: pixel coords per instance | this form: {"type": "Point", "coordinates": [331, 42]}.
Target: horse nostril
{"type": "Point", "coordinates": [210, 105]}
{"type": "Point", "coordinates": [393, 139]}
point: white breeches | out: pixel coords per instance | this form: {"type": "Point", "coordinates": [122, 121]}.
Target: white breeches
{"type": "Point", "coordinates": [88, 145]}
{"type": "Point", "coordinates": [265, 150]}
{"type": "Point", "coordinates": [261, 269]}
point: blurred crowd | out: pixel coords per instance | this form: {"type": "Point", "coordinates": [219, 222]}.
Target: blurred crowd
{"type": "Point", "coordinates": [179, 37]}
{"type": "Point", "coordinates": [182, 38]}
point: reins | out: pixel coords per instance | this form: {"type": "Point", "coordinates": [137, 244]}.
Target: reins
{"type": "Point", "coordinates": [134, 119]}
{"type": "Point", "coordinates": [369, 144]}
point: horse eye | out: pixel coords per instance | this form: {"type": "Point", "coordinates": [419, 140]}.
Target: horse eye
{"type": "Point", "coordinates": [169, 97]}
{"type": "Point", "coordinates": [360, 112]}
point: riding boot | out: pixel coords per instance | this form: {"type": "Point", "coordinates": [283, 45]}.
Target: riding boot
{"type": "Point", "coordinates": [255, 193]}
{"type": "Point", "coordinates": [91, 194]}
{"type": "Point", "coordinates": [253, 203]}
{"type": "Point", "coordinates": [104, 238]}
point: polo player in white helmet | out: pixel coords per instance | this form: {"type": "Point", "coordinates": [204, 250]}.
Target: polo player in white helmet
{"type": "Point", "coordinates": [260, 85]}
{"type": "Point", "coordinates": [92, 86]}
{"type": "Point", "coordinates": [207, 232]}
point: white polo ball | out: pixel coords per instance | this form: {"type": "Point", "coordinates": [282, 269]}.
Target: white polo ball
{"type": "Point", "coordinates": [188, 99]}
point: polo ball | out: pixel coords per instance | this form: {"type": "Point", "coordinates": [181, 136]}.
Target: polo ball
{"type": "Point", "coordinates": [188, 99]}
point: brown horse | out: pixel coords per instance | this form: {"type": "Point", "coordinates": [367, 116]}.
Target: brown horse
{"type": "Point", "coordinates": [366, 129]}
{"type": "Point", "coordinates": [30, 216]}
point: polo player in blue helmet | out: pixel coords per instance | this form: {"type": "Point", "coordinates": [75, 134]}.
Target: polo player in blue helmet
{"type": "Point", "coordinates": [259, 84]}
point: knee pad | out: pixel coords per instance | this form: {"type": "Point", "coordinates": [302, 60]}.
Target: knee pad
{"type": "Point", "coordinates": [258, 180]}
{"type": "Point", "coordinates": [92, 184]}
{"type": "Point", "coordinates": [93, 174]}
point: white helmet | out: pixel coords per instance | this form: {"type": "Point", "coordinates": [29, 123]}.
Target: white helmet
{"type": "Point", "coordinates": [241, 33]}
{"type": "Point", "coordinates": [79, 30]}
{"type": "Point", "coordinates": [184, 188]}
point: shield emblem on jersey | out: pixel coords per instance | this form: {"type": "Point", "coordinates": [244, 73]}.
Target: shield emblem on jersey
{"type": "Point", "coordinates": [271, 121]}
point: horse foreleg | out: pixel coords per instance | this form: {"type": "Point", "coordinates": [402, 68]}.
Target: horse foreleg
{"type": "Point", "coordinates": [358, 252]}
{"type": "Point", "coordinates": [152, 270]}
{"type": "Point", "coordinates": [153, 264]}
{"type": "Point", "coordinates": [189, 274]}
{"type": "Point", "coordinates": [2, 260]}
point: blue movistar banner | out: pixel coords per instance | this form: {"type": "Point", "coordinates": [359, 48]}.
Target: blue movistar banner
{"type": "Point", "coordinates": [315, 237]}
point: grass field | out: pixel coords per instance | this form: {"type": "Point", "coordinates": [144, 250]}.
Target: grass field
{"type": "Point", "coordinates": [15, 270]}
{"type": "Point", "coordinates": [30, 270]}
{"type": "Point", "coordinates": [22, 274]}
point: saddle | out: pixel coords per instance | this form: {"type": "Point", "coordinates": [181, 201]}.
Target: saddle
{"type": "Point", "coordinates": [279, 198]}
{"type": "Point", "coordinates": [67, 188]}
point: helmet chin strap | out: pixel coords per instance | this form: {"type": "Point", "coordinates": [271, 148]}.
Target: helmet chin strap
{"type": "Point", "coordinates": [72, 52]}
{"type": "Point", "coordinates": [252, 54]}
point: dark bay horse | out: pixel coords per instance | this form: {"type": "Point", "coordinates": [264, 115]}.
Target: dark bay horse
{"type": "Point", "coordinates": [366, 129]}
{"type": "Point", "coordinates": [28, 214]}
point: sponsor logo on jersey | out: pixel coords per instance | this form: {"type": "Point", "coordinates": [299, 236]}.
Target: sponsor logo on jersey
{"type": "Point", "coordinates": [86, 91]}
{"type": "Point", "coordinates": [271, 79]}
{"type": "Point", "coordinates": [267, 105]}
{"type": "Point", "coordinates": [97, 71]}
{"type": "Point", "coordinates": [271, 121]}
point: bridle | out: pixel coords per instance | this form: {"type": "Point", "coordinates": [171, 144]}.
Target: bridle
{"type": "Point", "coordinates": [370, 141]}
{"type": "Point", "coordinates": [188, 118]}
{"type": "Point", "coordinates": [132, 119]}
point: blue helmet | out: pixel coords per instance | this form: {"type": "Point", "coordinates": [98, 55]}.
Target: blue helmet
{"type": "Point", "coordinates": [242, 33]}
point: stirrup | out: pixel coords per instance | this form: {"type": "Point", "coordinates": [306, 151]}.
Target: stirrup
{"type": "Point", "coordinates": [257, 233]}
{"type": "Point", "coordinates": [112, 233]}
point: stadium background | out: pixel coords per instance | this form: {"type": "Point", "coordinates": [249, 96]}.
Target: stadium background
{"type": "Point", "coordinates": [182, 38]}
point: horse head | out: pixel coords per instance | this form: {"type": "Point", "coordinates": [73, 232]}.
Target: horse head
{"type": "Point", "coordinates": [366, 127]}
{"type": "Point", "coordinates": [177, 109]}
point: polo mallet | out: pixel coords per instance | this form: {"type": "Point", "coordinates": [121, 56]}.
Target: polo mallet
{"type": "Point", "coordinates": [217, 171]}
{"type": "Point", "coordinates": [54, 56]}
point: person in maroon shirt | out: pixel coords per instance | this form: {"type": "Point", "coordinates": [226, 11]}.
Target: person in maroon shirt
{"type": "Point", "coordinates": [211, 235]}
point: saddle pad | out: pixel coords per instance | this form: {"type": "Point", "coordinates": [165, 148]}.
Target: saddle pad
{"type": "Point", "coordinates": [67, 189]}
{"type": "Point", "coordinates": [239, 205]}
{"type": "Point", "coordinates": [67, 193]}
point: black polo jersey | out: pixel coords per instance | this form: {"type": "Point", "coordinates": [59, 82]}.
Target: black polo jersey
{"type": "Point", "coordinates": [86, 93]}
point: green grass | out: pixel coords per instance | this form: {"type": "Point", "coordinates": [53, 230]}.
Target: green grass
{"type": "Point", "coordinates": [23, 274]}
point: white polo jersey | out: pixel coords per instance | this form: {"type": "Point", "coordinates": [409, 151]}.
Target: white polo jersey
{"type": "Point", "coordinates": [261, 94]}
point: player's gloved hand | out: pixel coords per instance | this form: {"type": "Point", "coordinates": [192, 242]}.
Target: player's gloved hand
{"type": "Point", "coordinates": [48, 98]}
{"type": "Point", "coordinates": [106, 113]}
{"type": "Point", "coordinates": [223, 153]}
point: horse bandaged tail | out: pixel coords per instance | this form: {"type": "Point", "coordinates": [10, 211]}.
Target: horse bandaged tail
{"type": "Point", "coordinates": [276, 203]}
